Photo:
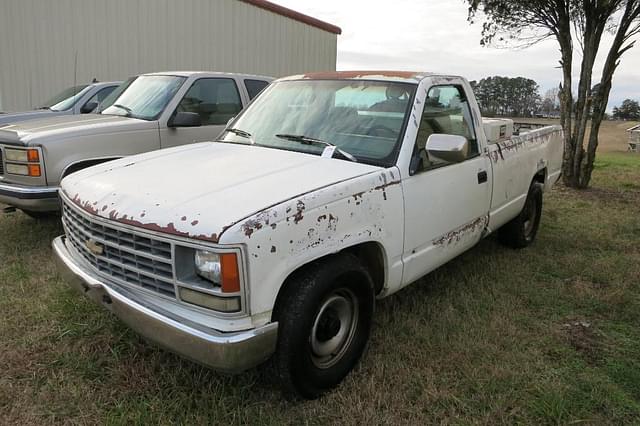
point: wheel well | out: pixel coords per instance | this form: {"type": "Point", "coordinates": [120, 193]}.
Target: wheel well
{"type": "Point", "coordinates": [371, 256]}
{"type": "Point", "coordinates": [83, 165]}
{"type": "Point", "coordinates": [541, 176]}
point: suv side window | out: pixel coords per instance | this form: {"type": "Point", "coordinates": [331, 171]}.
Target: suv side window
{"type": "Point", "coordinates": [101, 95]}
{"type": "Point", "coordinates": [254, 87]}
{"type": "Point", "coordinates": [446, 111]}
{"type": "Point", "coordinates": [216, 100]}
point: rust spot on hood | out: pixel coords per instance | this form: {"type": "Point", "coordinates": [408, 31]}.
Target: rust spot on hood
{"type": "Point", "coordinates": [167, 229]}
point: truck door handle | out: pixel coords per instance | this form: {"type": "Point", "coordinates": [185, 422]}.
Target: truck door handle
{"type": "Point", "coordinates": [482, 177]}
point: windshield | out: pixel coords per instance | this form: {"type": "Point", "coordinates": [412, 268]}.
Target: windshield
{"type": "Point", "coordinates": [111, 98]}
{"type": "Point", "coordinates": [363, 118]}
{"type": "Point", "coordinates": [65, 99]}
{"type": "Point", "coordinates": [146, 97]}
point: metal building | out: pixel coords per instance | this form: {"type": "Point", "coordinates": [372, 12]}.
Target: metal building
{"type": "Point", "coordinates": [49, 45]}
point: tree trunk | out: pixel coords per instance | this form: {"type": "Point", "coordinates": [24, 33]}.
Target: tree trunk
{"type": "Point", "coordinates": [601, 97]}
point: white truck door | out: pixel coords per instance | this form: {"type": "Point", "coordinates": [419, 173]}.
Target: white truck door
{"type": "Point", "coordinates": [216, 100]}
{"type": "Point", "coordinates": [446, 204]}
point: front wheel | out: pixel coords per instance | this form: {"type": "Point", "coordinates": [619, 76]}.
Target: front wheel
{"type": "Point", "coordinates": [324, 316]}
{"type": "Point", "coordinates": [522, 230]}
{"type": "Point", "coordinates": [40, 215]}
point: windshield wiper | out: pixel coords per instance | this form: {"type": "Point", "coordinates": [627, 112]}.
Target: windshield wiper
{"type": "Point", "coordinates": [127, 109]}
{"type": "Point", "coordinates": [242, 134]}
{"type": "Point", "coordinates": [44, 107]}
{"type": "Point", "coordinates": [328, 152]}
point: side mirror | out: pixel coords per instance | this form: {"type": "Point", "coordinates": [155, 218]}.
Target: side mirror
{"type": "Point", "coordinates": [449, 148]}
{"type": "Point", "coordinates": [88, 107]}
{"type": "Point", "coordinates": [185, 119]}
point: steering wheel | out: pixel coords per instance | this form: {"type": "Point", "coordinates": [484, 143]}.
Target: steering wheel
{"type": "Point", "coordinates": [382, 131]}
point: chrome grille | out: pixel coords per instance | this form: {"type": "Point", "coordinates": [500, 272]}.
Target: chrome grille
{"type": "Point", "coordinates": [127, 257]}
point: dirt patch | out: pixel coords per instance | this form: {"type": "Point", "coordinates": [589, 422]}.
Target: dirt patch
{"type": "Point", "coordinates": [580, 334]}
{"type": "Point", "coordinates": [601, 194]}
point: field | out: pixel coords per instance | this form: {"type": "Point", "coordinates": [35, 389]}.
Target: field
{"type": "Point", "coordinates": [545, 335]}
{"type": "Point", "coordinates": [613, 135]}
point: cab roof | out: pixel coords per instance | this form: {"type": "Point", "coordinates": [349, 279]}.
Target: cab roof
{"type": "Point", "coordinates": [386, 75]}
{"type": "Point", "coordinates": [208, 74]}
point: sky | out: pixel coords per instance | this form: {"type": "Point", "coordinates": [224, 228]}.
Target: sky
{"type": "Point", "coordinates": [434, 35]}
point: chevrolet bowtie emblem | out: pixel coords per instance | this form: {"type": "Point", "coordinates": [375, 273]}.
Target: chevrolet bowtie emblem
{"type": "Point", "coordinates": [94, 247]}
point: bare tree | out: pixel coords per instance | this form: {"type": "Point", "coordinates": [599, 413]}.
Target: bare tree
{"type": "Point", "coordinates": [527, 22]}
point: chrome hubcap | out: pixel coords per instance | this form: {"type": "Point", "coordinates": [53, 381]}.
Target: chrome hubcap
{"type": "Point", "coordinates": [334, 328]}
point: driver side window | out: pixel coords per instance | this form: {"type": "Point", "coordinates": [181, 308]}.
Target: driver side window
{"type": "Point", "coordinates": [216, 100]}
{"type": "Point", "coordinates": [446, 111]}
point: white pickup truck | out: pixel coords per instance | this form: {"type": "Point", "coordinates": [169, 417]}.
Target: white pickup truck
{"type": "Point", "coordinates": [329, 191]}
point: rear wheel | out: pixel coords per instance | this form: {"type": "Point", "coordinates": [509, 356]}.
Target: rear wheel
{"type": "Point", "coordinates": [522, 230]}
{"type": "Point", "coordinates": [324, 316]}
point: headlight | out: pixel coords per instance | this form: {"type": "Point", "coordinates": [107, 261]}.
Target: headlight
{"type": "Point", "coordinates": [22, 155]}
{"type": "Point", "coordinates": [220, 269]}
{"type": "Point", "coordinates": [208, 265]}
{"type": "Point", "coordinates": [18, 169]}
{"type": "Point", "coordinates": [29, 159]}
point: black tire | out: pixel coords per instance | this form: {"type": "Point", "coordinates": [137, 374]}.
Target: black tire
{"type": "Point", "coordinates": [325, 315]}
{"type": "Point", "coordinates": [521, 231]}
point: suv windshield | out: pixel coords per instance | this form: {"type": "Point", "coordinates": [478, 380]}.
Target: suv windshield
{"type": "Point", "coordinates": [146, 97]}
{"type": "Point", "coordinates": [65, 99]}
{"type": "Point", "coordinates": [363, 118]}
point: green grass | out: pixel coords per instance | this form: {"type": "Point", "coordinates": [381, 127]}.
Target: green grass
{"type": "Point", "coordinates": [545, 335]}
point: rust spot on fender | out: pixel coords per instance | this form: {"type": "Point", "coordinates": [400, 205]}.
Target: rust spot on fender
{"type": "Point", "coordinates": [298, 216]}
{"type": "Point", "coordinates": [250, 226]}
{"type": "Point", "coordinates": [195, 222]}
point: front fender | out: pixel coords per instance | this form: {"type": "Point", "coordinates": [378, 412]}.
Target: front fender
{"type": "Point", "coordinates": [285, 237]}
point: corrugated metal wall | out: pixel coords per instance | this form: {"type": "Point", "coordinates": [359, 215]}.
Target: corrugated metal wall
{"type": "Point", "coordinates": [114, 39]}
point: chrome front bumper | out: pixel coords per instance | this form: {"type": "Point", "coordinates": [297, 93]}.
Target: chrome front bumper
{"type": "Point", "coordinates": [227, 352]}
{"type": "Point", "coordinates": [34, 198]}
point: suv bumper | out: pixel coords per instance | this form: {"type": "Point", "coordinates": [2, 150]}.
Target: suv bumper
{"type": "Point", "coordinates": [34, 198]}
{"type": "Point", "coordinates": [227, 352]}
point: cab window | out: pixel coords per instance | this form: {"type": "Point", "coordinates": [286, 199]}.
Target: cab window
{"type": "Point", "coordinates": [100, 96]}
{"type": "Point", "coordinates": [254, 87]}
{"type": "Point", "coordinates": [216, 100]}
{"type": "Point", "coordinates": [446, 111]}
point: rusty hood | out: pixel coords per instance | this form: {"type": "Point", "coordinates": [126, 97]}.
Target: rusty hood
{"type": "Point", "coordinates": [200, 190]}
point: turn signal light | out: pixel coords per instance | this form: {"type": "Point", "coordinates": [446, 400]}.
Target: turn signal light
{"type": "Point", "coordinates": [33, 156]}
{"type": "Point", "coordinates": [230, 274]}
{"type": "Point", "coordinates": [34, 170]}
